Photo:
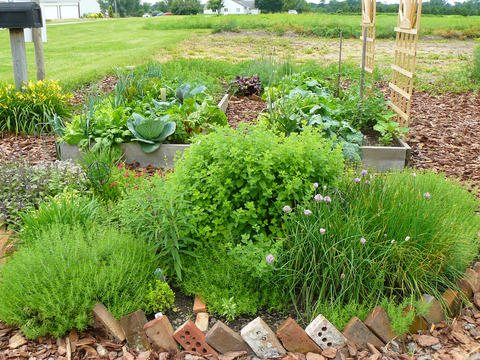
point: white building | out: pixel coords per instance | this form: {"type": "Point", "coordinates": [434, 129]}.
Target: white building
{"type": "Point", "coordinates": [235, 7]}
{"type": "Point", "coordinates": [67, 9]}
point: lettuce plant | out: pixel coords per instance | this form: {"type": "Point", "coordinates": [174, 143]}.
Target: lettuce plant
{"type": "Point", "coordinates": [151, 133]}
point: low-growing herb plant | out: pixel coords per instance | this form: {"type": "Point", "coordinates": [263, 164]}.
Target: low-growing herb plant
{"type": "Point", "coordinates": [52, 284]}
{"type": "Point", "coordinates": [159, 297]}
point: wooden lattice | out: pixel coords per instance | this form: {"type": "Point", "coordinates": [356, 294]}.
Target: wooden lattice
{"type": "Point", "coordinates": [407, 30]}
{"type": "Point", "coordinates": [369, 11]}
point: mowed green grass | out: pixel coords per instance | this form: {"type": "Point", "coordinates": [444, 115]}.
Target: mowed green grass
{"type": "Point", "coordinates": [77, 54]}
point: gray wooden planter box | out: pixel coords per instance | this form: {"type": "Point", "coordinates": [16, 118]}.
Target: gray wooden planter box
{"type": "Point", "coordinates": [160, 158]}
{"type": "Point", "coordinates": [384, 158]}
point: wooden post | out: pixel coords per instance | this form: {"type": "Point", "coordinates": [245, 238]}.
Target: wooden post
{"type": "Point", "coordinates": [19, 57]}
{"type": "Point", "coordinates": [163, 94]}
{"type": "Point", "coordinates": [364, 55]}
{"type": "Point", "coordinates": [38, 45]}
{"type": "Point", "coordinates": [339, 66]}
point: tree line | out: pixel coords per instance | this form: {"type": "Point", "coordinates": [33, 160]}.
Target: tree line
{"type": "Point", "coordinates": [193, 7]}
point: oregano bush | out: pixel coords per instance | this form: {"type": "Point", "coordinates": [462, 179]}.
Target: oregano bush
{"type": "Point", "coordinates": [238, 181]}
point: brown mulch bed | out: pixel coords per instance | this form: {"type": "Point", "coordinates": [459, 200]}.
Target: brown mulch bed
{"type": "Point", "coordinates": [244, 110]}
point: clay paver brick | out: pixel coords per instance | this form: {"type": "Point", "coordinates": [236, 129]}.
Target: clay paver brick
{"type": "Point", "coordinates": [476, 267]}
{"type": "Point", "coordinates": [223, 339]}
{"type": "Point", "coordinates": [133, 323]}
{"type": "Point", "coordinates": [160, 332]}
{"type": "Point", "coordinates": [473, 279]}
{"type": "Point", "coordinates": [192, 339]}
{"type": "Point", "coordinates": [359, 334]}
{"type": "Point", "coordinates": [379, 323]}
{"type": "Point", "coordinates": [452, 299]}
{"type": "Point", "coordinates": [435, 312]}
{"type": "Point", "coordinates": [262, 339]}
{"type": "Point", "coordinates": [465, 285]}
{"type": "Point", "coordinates": [199, 305]}
{"type": "Point", "coordinates": [105, 319]}
{"type": "Point", "coordinates": [419, 323]}
{"type": "Point", "coordinates": [202, 321]}
{"type": "Point", "coordinates": [295, 339]}
{"type": "Point", "coordinates": [324, 333]}
{"type": "Point", "coordinates": [139, 342]}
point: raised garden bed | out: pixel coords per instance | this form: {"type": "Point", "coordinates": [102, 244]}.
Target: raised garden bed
{"type": "Point", "coordinates": [384, 158]}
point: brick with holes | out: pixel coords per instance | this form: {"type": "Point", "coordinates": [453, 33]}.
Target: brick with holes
{"type": "Point", "coordinates": [324, 333]}
{"type": "Point", "coordinates": [192, 339]}
{"type": "Point", "coordinates": [262, 339]}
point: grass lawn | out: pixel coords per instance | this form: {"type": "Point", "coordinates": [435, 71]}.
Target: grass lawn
{"type": "Point", "coordinates": [79, 53]}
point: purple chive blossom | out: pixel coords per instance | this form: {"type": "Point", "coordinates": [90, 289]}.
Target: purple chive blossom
{"type": "Point", "coordinates": [307, 212]}
{"type": "Point", "coordinates": [393, 241]}
{"type": "Point", "coordinates": [318, 198]}
{"type": "Point", "coordinates": [315, 185]}
{"type": "Point", "coordinates": [270, 258]}
{"type": "Point", "coordinates": [324, 188]}
{"type": "Point", "coordinates": [322, 231]}
{"type": "Point", "coordinates": [363, 240]}
{"type": "Point", "coordinates": [357, 180]}
{"type": "Point", "coordinates": [287, 209]}
{"type": "Point", "coordinates": [426, 195]}
{"type": "Point", "coordinates": [407, 238]}
{"type": "Point", "coordinates": [327, 199]}
{"type": "Point", "coordinates": [363, 172]}
{"type": "Point", "coordinates": [414, 175]}
{"type": "Point", "coordinates": [367, 182]}
{"type": "Point", "coordinates": [342, 276]}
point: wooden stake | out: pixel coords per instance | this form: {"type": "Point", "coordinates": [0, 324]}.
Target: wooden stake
{"type": "Point", "coordinates": [69, 348]}
{"type": "Point", "coordinates": [163, 94]}
{"type": "Point", "coordinates": [364, 55]}
{"type": "Point", "coordinates": [19, 57]}
{"type": "Point", "coordinates": [38, 45]}
{"type": "Point", "coordinates": [339, 65]}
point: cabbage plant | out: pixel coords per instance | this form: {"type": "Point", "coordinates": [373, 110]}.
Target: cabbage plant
{"type": "Point", "coordinates": [150, 132]}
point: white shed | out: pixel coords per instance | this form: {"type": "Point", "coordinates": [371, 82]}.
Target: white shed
{"type": "Point", "coordinates": [67, 9]}
{"type": "Point", "coordinates": [236, 7]}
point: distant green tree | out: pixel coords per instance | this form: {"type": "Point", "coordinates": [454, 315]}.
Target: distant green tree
{"type": "Point", "coordinates": [110, 11]}
{"type": "Point", "coordinates": [185, 7]}
{"type": "Point", "coordinates": [269, 6]}
{"type": "Point", "coordinates": [160, 7]}
{"type": "Point", "coordinates": [124, 7]}
{"type": "Point", "coordinates": [215, 5]}
{"type": "Point", "coordinates": [147, 8]}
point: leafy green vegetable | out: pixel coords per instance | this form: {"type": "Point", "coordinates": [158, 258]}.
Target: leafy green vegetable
{"type": "Point", "coordinates": [151, 133]}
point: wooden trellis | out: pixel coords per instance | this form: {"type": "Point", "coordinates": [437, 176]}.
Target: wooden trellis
{"type": "Point", "coordinates": [369, 12]}
{"type": "Point", "coordinates": [407, 30]}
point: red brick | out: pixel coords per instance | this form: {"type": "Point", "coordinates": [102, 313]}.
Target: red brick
{"type": "Point", "coordinates": [418, 324]}
{"type": "Point", "coordinates": [105, 319]}
{"type": "Point", "coordinates": [473, 279]}
{"type": "Point", "coordinates": [199, 305]}
{"type": "Point", "coordinates": [160, 333]}
{"type": "Point", "coordinates": [296, 340]}
{"type": "Point", "coordinates": [223, 339]}
{"type": "Point", "coordinates": [379, 323]}
{"type": "Point", "coordinates": [139, 342]}
{"type": "Point", "coordinates": [359, 334]}
{"type": "Point", "coordinates": [476, 267]}
{"type": "Point", "coordinates": [464, 287]}
{"type": "Point", "coordinates": [133, 323]}
{"type": "Point", "coordinates": [435, 312]}
{"type": "Point", "coordinates": [192, 339]}
{"type": "Point", "coordinates": [452, 299]}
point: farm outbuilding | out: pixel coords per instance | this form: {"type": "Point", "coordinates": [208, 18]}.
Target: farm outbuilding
{"type": "Point", "coordinates": [67, 9]}
{"type": "Point", "coordinates": [236, 7]}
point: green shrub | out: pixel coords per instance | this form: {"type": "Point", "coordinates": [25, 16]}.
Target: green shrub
{"type": "Point", "coordinates": [159, 297]}
{"type": "Point", "coordinates": [20, 111]}
{"type": "Point", "coordinates": [51, 285]}
{"type": "Point", "coordinates": [68, 209]}
{"type": "Point", "coordinates": [234, 279]}
{"type": "Point", "coordinates": [24, 186]}
{"type": "Point", "coordinates": [238, 180]}
{"type": "Point", "coordinates": [160, 216]}
{"type": "Point", "coordinates": [395, 234]}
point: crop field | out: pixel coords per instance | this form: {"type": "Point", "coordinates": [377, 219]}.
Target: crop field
{"type": "Point", "coordinates": [81, 52]}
